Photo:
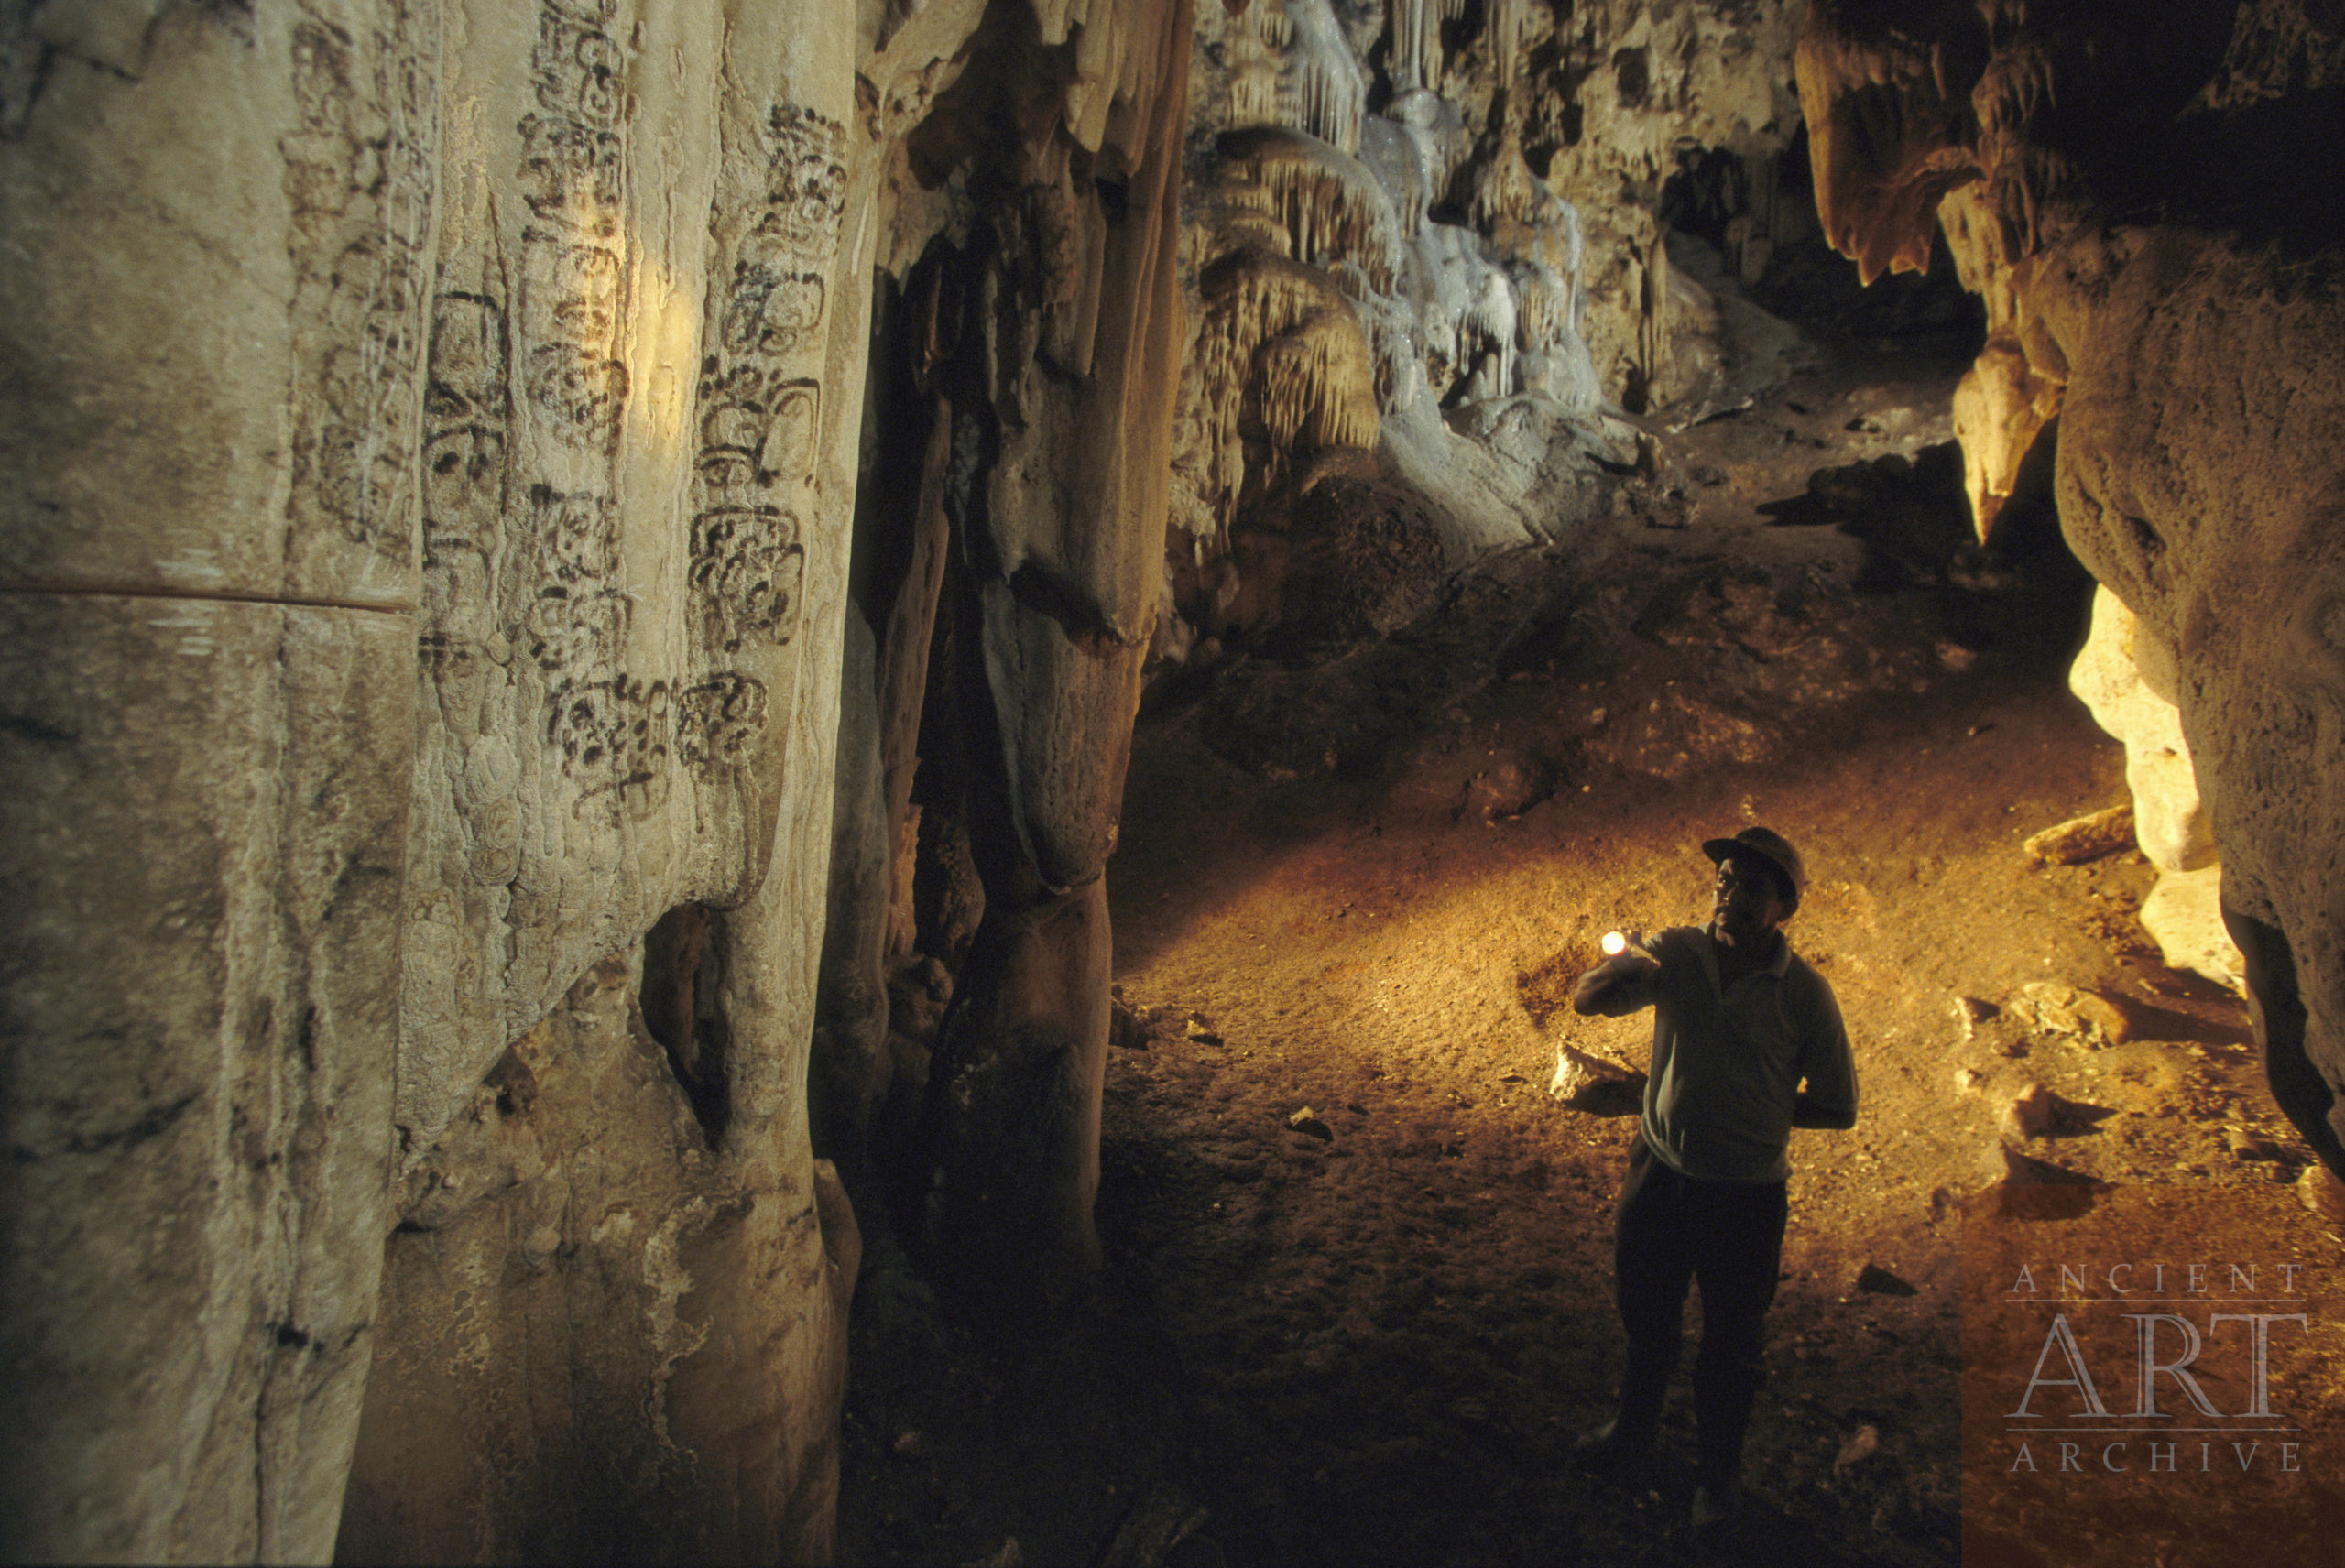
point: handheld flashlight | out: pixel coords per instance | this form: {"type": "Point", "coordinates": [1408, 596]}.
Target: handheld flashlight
{"type": "Point", "coordinates": [1615, 945]}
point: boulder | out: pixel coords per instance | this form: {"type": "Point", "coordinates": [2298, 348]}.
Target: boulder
{"type": "Point", "coordinates": [2030, 1114]}
{"type": "Point", "coordinates": [1860, 1445]}
{"type": "Point", "coordinates": [1876, 1280]}
{"type": "Point", "coordinates": [2322, 1192]}
{"type": "Point", "coordinates": [2059, 1010]}
{"type": "Point", "coordinates": [1969, 1012]}
{"type": "Point", "coordinates": [1508, 787]}
{"type": "Point", "coordinates": [2014, 1169]}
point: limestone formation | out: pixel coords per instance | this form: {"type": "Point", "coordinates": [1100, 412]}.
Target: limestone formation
{"type": "Point", "coordinates": [2082, 839]}
{"type": "Point", "coordinates": [645, 360]}
{"type": "Point", "coordinates": [202, 866]}
{"type": "Point", "coordinates": [2100, 165]}
{"type": "Point", "coordinates": [2184, 913]}
{"type": "Point", "coordinates": [212, 312]}
{"type": "Point", "coordinates": [620, 1383]}
{"type": "Point", "coordinates": [2114, 677]}
{"type": "Point", "coordinates": [1630, 83]}
{"type": "Point", "coordinates": [428, 477]}
{"type": "Point", "coordinates": [2009, 398]}
{"type": "Point", "coordinates": [1013, 588]}
{"type": "Point", "coordinates": [1429, 231]}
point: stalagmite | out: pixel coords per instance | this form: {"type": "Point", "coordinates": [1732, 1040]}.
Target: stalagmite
{"type": "Point", "coordinates": [1066, 476]}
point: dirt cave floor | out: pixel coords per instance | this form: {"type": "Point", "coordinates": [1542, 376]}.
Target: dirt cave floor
{"type": "Point", "coordinates": [1357, 1296]}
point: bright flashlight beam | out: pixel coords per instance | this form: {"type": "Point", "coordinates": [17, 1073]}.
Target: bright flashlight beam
{"type": "Point", "coordinates": [1615, 945]}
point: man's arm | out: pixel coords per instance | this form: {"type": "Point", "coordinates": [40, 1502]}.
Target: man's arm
{"type": "Point", "coordinates": [1829, 1103]}
{"type": "Point", "coordinates": [1622, 984]}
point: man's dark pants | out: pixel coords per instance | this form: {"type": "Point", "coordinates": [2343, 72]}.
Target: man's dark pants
{"type": "Point", "coordinates": [1670, 1230]}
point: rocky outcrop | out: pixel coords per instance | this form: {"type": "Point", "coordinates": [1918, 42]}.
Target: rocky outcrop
{"type": "Point", "coordinates": [2112, 174]}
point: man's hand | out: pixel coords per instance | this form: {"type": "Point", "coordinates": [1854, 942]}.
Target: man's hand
{"type": "Point", "coordinates": [1604, 982]}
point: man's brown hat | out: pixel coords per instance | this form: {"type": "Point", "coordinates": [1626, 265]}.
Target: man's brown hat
{"type": "Point", "coordinates": [1768, 845]}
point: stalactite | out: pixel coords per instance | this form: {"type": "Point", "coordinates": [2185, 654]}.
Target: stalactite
{"type": "Point", "coordinates": [1414, 28]}
{"type": "Point", "coordinates": [1508, 19]}
{"type": "Point", "coordinates": [1419, 195]}
{"type": "Point", "coordinates": [1231, 226]}
{"type": "Point", "coordinates": [1508, 192]}
{"type": "Point", "coordinates": [1253, 66]}
{"type": "Point", "coordinates": [1279, 335]}
{"type": "Point", "coordinates": [1543, 307]}
{"type": "Point", "coordinates": [1312, 390]}
{"type": "Point", "coordinates": [1418, 142]}
{"type": "Point", "coordinates": [1323, 89]}
{"type": "Point", "coordinates": [1121, 61]}
{"type": "Point", "coordinates": [1490, 321]}
{"type": "Point", "coordinates": [1333, 207]}
{"type": "Point", "coordinates": [2013, 390]}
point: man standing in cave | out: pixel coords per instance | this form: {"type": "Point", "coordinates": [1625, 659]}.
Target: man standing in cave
{"type": "Point", "coordinates": [1747, 1044]}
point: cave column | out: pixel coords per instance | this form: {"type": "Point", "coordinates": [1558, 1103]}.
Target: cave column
{"type": "Point", "coordinates": [646, 361]}
{"type": "Point", "coordinates": [1075, 339]}
{"type": "Point", "coordinates": [210, 312]}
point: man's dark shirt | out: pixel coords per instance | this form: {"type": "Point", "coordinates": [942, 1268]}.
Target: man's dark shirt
{"type": "Point", "coordinates": [1727, 1064]}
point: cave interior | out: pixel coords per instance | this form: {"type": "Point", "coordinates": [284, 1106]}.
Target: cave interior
{"type": "Point", "coordinates": [812, 783]}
